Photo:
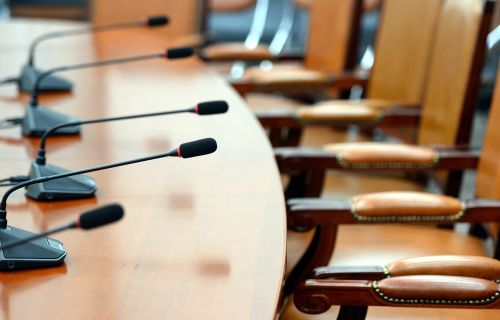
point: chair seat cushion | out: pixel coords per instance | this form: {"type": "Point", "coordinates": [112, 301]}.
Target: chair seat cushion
{"type": "Point", "coordinates": [236, 51]}
{"type": "Point", "coordinates": [383, 155]}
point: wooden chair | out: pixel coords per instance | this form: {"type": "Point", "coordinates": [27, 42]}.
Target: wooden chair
{"type": "Point", "coordinates": [445, 119]}
{"type": "Point", "coordinates": [401, 214]}
{"type": "Point", "coordinates": [461, 282]}
{"type": "Point", "coordinates": [392, 97]}
{"type": "Point", "coordinates": [331, 46]}
{"type": "Point", "coordinates": [251, 50]}
{"type": "Point", "coordinates": [403, 25]}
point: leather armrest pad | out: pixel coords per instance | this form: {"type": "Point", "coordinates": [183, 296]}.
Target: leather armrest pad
{"type": "Point", "coordinates": [432, 289]}
{"type": "Point", "coordinates": [467, 266]}
{"type": "Point", "coordinates": [236, 51]}
{"type": "Point", "coordinates": [383, 155]}
{"type": "Point", "coordinates": [413, 206]}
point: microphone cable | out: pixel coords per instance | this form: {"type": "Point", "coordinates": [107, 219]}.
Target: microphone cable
{"type": "Point", "coordinates": [9, 80]}
{"type": "Point", "coordinates": [10, 123]}
{"type": "Point", "coordinates": [12, 181]}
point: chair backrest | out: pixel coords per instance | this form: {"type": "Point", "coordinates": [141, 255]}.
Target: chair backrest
{"type": "Point", "coordinates": [230, 5]}
{"type": "Point", "coordinates": [186, 16]}
{"type": "Point", "coordinates": [333, 30]}
{"type": "Point", "coordinates": [488, 173]}
{"type": "Point", "coordinates": [454, 73]}
{"type": "Point", "coordinates": [402, 50]}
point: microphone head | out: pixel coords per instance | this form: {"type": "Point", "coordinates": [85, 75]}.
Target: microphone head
{"type": "Point", "coordinates": [156, 21]}
{"type": "Point", "coordinates": [211, 107]}
{"type": "Point", "coordinates": [177, 53]}
{"type": "Point", "coordinates": [197, 148]}
{"type": "Point", "coordinates": [100, 216]}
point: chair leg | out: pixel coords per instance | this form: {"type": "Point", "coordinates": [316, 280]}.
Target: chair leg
{"type": "Point", "coordinates": [352, 313]}
{"type": "Point", "coordinates": [306, 184]}
{"type": "Point", "coordinates": [318, 254]}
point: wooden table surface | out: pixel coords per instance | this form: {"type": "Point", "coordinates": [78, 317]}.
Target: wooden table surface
{"type": "Point", "coordinates": [202, 238]}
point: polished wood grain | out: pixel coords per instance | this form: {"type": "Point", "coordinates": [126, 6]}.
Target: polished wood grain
{"type": "Point", "coordinates": [202, 238]}
{"type": "Point", "coordinates": [186, 16]}
{"type": "Point", "coordinates": [403, 49]}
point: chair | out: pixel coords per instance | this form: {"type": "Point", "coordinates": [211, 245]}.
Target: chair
{"type": "Point", "coordinates": [445, 118]}
{"type": "Point", "coordinates": [437, 281]}
{"type": "Point", "coordinates": [398, 217]}
{"type": "Point", "coordinates": [331, 45]}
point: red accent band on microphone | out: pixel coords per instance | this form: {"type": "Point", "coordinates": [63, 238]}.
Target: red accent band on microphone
{"type": "Point", "coordinates": [78, 223]}
{"type": "Point", "coordinates": [179, 152]}
{"type": "Point", "coordinates": [196, 109]}
{"type": "Point", "coordinates": [145, 21]}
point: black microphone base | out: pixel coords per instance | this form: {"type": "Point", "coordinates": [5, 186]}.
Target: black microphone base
{"type": "Point", "coordinates": [48, 84]}
{"type": "Point", "coordinates": [40, 253]}
{"type": "Point", "coordinates": [75, 187]}
{"type": "Point", "coordinates": [38, 119]}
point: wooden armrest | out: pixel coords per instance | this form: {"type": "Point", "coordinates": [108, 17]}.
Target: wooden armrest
{"type": "Point", "coordinates": [375, 156]}
{"type": "Point", "coordinates": [422, 291]}
{"type": "Point", "coordinates": [298, 81]}
{"type": "Point", "coordinates": [278, 118]}
{"type": "Point", "coordinates": [390, 207]}
{"type": "Point", "coordinates": [234, 51]}
{"type": "Point", "coordinates": [349, 79]}
{"type": "Point", "coordinates": [362, 112]}
{"type": "Point", "coordinates": [466, 266]}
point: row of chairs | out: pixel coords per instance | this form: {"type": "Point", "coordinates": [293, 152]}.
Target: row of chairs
{"type": "Point", "coordinates": [422, 92]}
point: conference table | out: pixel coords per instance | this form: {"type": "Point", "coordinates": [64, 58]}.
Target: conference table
{"type": "Point", "coordinates": [202, 238]}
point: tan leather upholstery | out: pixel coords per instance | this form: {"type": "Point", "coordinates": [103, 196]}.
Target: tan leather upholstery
{"type": "Point", "coordinates": [379, 104]}
{"type": "Point", "coordinates": [285, 74]}
{"type": "Point", "coordinates": [412, 205]}
{"type": "Point", "coordinates": [377, 155]}
{"type": "Point", "coordinates": [447, 288]}
{"type": "Point", "coordinates": [230, 5]}
{"type": "Point", "coordinates": [467, 266]}
{"type": "Point", "coordinates": [235, 51]}
{"type": "Point", "coordinates": [340, 112]}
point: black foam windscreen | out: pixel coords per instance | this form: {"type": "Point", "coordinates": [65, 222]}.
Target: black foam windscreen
{"type": "Point", "coordinates": [197, 148]}
{"type": "Point", "coordinates": [182, 52]}
{"type": "Point", "coordinates": [156, 21]}
{"type": "Point", "coordinates": [100, 216]}
{"type": "Point", "coordinates": [212, 107]}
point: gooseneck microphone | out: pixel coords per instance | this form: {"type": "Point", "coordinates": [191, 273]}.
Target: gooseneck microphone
{"type": "Point", "coordinates": [38, 119]}
{"type": "Point", "coordinates": [20, 249]}
{"type": "Point", "coordinates": [46, 252]}
{"type": "Point", "coordinates": [29, 72]}
{"type": "Point", "coordinates": [84, 187]}
{"type": "Point", "coordinates": [88, 220]}
{"type": "Point", "coordinates": [174, 53]}
{"type": "Point", "coordinates": [153, 21]}
{"type": "Point", "coordinates": [202, 109]}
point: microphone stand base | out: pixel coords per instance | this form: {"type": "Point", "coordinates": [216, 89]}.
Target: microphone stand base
{"type": "Point", "coordinates": [40, 253]}
{"type": "Point", "coordinates": [74, 187]}
{"type": "Point", "coordinates": [38, 119]}
{"type": "Point", "coordinates": [48, 84]}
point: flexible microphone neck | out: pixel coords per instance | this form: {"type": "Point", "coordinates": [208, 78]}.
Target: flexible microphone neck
{"type": "Point", "coordinates": [185, 150]}
{"type": "Point", "coordinates": [88, 220]}
{"type": "Point", "coordinates": [154, 21]}
{"type": "Point", "coordinates": [43, 75]}
{"type": "Point", "coordinates": [203, 108]}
